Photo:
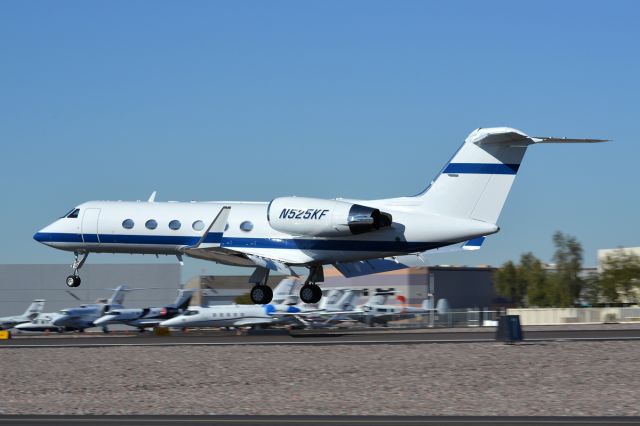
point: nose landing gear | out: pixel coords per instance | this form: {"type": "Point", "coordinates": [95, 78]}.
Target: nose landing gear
{"type": "Point", "coordinates": [74, 280]}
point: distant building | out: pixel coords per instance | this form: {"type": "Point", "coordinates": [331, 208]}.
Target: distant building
{"type": "Point", "coordinates": [462, 286]}
{"type": "Point", "coordinates": [20, 284]}
{"type": "Point", "coordinates": [604, 253]}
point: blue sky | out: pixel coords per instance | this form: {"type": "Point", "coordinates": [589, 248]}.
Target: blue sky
{"type": "Point", "coordinates": [366, 99]}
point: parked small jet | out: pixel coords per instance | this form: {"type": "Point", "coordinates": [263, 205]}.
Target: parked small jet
{"type": "Point", "coordinates": [82, 317]}
{"type": "Point", "coordinates": [77, 318]}
{"type": "Point", "coordinates": [43, 322]}
{"type": "Point", "coordinates": [376, 311]}
{"type": "Point", "coordinates": [458, 209]}
{"type": "Point", "coordinates": [147, 317]}
{"type": "Point", "coordinates": [334, 307]}
{"type": "Point", "coordinates": [236, 315]}
{"type": "Point", "coordinates": [34, 309]}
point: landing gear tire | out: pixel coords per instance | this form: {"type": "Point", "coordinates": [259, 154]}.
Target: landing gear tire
{"type": "Point", "coordinates": [261, 294]}
{"type": "Point", "coordinates": [73, 281]}
{"type": "Point", "coordinates": [310, 293]}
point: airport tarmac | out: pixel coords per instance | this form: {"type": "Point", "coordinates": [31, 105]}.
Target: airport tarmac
{"type": "Point", "coordinates": [322, 337]}
{"type": "Point", "coordinates": [559, 378]}
{"type": "Point", "coordinates": [312, 420]}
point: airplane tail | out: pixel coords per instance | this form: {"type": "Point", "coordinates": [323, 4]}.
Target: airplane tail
{"type": "Point", "coordinates": [346, 302]}
{"type": "Point", "coordinates": [380, 296]}
{"type": "Point", "coordinates": [183, 299]}
{"type": "Point", "coordinates": [117, 297]}
{"type": "Point", "coordinates": [475, 183]}
{"type": "Point", "coordinates": [339, 299]}
{"type": "Point", "coordinates": [34, 309]}
{"type": "Point", "coordinates": [283, 290]}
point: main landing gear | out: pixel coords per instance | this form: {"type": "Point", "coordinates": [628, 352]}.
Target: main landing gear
{"type": "Point", "coordinates": [261, 293]}
{"type": "Point", "coordinates": [310, 291]}
{"type": "Point", "coordinates": [74, 280]}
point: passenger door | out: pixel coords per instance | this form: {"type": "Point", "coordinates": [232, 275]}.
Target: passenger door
{"type": "Point", "coordinates": [90, 226]}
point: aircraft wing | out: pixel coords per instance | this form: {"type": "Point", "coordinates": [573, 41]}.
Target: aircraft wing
{"type": "Point", "coordinates": [374, 266]}
{"type": "Point", "coordinates": [386, 264]}
{"type": "Point", "coordinates": [245, 322]}
{"type": "Point", "coordinates": [315, 313]}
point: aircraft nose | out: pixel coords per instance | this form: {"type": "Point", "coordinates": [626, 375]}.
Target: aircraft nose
{"type": "Point", "coordinates": [39, 236]}
{"type": "Point", "coordinates": [102, 320]}
{"type": "Point", "coordinates": [44, 236]}
{"type": "Point", "coordinates": [59, 321]}
{"type": "Point", "coordinates": [170, 322]}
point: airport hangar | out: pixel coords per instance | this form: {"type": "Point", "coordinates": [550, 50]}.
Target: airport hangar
{"type": "Point", "coordinates": [22, 283]}
{"type": "Point", "coordinates": [463, 287]}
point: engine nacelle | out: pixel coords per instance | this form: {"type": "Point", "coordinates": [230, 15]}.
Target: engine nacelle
{"type": "Point", "coordinates": [315, 217]}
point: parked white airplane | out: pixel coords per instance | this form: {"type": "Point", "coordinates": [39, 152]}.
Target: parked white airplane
{"type": "Point", "coordinates": [333, 307]}
{"type": "Point", "coordinates": [377, 311]}
{"type": "Point", "coordinates": [43, 322]}
{"type": "Point", "coordinates": [34, 309]}
{"type": "Point", "coordinates": [236, 315]}
{"type": "Point", "coordinates": [461, 205]}
{"type": "Point", "coordinates": [228, 316]}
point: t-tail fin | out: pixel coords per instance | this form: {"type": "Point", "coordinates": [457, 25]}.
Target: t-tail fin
{"type": "Point", "coordinates": [34, 309]}
{"type": "Point", "coordinates": [380, 296]}
{"type": "Point", "coordinates": [183, 299]}
{"type": "Point", "coordinates": [117, 297]}
{"type": "Point", "coordinates": [477, 180]}
{"type": "Point", "coordinates": [283, 290]}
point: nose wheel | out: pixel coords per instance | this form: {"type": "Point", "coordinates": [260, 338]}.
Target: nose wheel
{"type": "Point", "coordinates": [74, 280]}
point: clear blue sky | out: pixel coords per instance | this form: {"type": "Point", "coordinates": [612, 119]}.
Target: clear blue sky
{"type": "Point", "coordinates": [251, 100]}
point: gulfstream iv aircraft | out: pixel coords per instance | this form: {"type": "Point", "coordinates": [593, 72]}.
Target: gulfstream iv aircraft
{"type": "Point", "coordinates": [459, 207]}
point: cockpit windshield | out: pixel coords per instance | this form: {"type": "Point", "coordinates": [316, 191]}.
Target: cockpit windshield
{"type": "Point", "coordinates": [72, 214]}
{"type": "Point", "coordinates": [191, 312]}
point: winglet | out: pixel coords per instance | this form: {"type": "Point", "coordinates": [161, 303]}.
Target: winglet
{"type": "Point", "coordinates": [215, 230]}
{"type": "Point", "coordinates": [152, 197]}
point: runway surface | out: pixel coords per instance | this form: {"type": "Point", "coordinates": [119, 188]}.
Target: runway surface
{"type": "Point", "coordinates": [315, 337]}
{"type": "Point", "coordinates": [310, 420]}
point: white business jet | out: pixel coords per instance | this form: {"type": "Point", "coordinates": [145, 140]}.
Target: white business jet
{"type": "Point", "coordinates": [34, 309]}
{"type": "Point", "coordinates": [459, 207]}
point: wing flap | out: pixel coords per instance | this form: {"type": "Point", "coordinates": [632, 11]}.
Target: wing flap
{"type": "Point", "coordinates": [252, 321]}
{"type": "Point", "coordinates": [375, 266]}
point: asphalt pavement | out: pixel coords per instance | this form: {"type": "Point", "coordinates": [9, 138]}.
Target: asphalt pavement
{"type": "Point", "coordinates": [315, 337]}
{"type": "Point", "coordinates": [310, 420]}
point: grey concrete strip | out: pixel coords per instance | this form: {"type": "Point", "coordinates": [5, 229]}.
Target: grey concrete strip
{"type": "Point", "coordinates": [322, 338]}
{"type": "Point", "coordinates": [312, 420]}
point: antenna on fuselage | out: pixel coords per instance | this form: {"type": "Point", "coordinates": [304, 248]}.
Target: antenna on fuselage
{"type": "Point", "coordinates": [152, 197]}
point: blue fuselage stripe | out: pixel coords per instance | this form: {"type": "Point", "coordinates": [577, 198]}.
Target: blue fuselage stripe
{"type": "Point", "coordinates": [480, 168]}
{"type": "Point", "coordinates": [233, 242]}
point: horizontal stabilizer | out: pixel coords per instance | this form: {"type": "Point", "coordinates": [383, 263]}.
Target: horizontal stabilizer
{"type": "Point", "coordinates": [545, 139]}
{"type": "Point", "coordinates": [474, 244]}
